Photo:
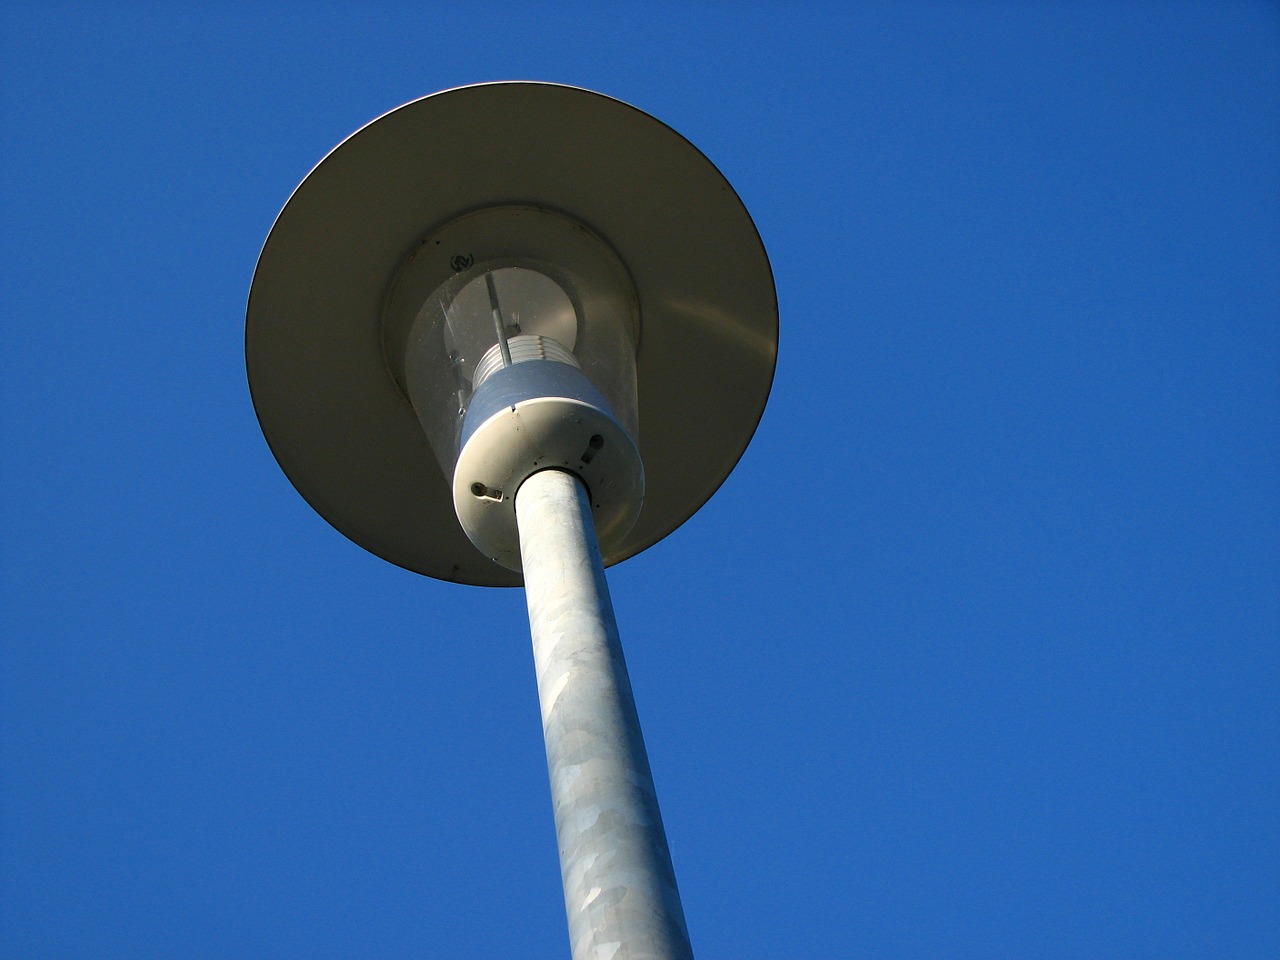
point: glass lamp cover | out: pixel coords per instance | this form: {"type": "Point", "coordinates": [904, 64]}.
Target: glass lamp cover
{"type": "Point", "coordinates": [497, 313]}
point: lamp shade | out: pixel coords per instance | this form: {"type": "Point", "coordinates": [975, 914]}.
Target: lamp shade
{"type": "Point", "coordinates": [617, 239]}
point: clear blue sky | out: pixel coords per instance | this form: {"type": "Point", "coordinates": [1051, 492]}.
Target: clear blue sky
{"type": "Point", "coordinates": [977, 654]}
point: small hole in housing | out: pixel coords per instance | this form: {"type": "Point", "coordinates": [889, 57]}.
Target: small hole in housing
{"type": "Point", "coordinates": [593, 446]}
{"type": "Point", "coordinates": [480, 491]}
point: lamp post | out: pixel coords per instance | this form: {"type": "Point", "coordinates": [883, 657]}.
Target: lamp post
{"type": "Point", "coordinates": [516, 332]}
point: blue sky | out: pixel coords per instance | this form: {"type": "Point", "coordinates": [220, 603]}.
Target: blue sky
{"type": "Point", "coordinates": [974, 655]}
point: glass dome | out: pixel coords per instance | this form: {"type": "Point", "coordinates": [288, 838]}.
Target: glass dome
{"type": "Point", "coordinates": [578, 310]}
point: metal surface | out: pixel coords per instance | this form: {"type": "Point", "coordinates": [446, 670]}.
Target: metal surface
{"type": "Point", "coordinates": [619, 888]}
{"type": "Point", "coordinates": [336, 420]}
{"type": "Point", "coordinates": [527, 417]}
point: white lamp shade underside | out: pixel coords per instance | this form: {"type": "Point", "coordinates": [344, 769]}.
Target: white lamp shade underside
{"type": "Point", "coordinates": [332, 412]}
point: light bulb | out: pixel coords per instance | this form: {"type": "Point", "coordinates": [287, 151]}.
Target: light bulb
{"type": "Point", "coordinates": [500, 304]}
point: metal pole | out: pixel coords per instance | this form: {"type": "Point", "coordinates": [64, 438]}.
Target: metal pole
{"type": "Point", "coordinates": [619, 889]}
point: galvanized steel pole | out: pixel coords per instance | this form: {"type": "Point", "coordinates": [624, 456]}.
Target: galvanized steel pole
{"type": "Point", "coordinates": [619, 888]}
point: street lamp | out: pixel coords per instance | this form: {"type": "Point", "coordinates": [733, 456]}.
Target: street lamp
{"type": "Point", "coordinates": [517, 332]}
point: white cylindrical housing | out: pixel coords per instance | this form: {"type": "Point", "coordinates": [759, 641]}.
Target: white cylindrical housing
{"type": "Point", "coordinates": [540, 411]}
{"type": "Point", "coordinates": [619, 887]}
